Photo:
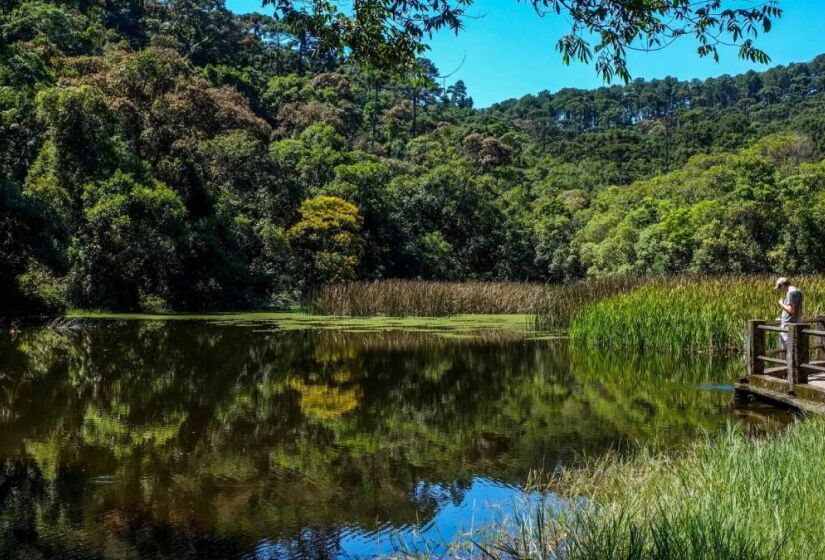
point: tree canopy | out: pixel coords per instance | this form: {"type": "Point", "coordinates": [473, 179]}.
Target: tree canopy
{"type": "Point", "coordinates": [174, 155]}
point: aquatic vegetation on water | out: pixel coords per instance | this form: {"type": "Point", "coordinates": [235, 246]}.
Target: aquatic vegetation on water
{"type": "Point", "coordinates": [557, 305]}
{"type": "Point", "coordinates": [454, 325]}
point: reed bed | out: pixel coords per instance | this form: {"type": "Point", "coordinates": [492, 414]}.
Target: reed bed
{"type": "Point", "coordinates": [551, 305]}
{"type": "Point", "coordinates": [657, 313]}
{"type": "Point", "coordinates": [402, 298]}
{"type": "Point", "coordinates": [558, 303]}
{"type": "Point", "coordinates": [687, 314]}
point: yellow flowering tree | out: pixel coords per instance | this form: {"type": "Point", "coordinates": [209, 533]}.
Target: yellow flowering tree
{"type": "Point", "coordinates": [327, 239]}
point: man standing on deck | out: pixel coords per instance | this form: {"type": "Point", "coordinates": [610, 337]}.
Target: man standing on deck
{"type": "Point", "coordinates": [791, 305]}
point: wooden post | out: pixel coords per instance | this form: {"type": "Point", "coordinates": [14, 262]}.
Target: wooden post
{"type": "Point", "coordinates": [755, 347]}
{"type": "Point", "coordinates": [797, 355]}
{"type": "Point", "coordinates": [819, 324]}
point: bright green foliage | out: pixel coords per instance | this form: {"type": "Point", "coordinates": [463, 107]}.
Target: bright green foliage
{"type": "Point", "coordinates": [719, 214]}
{"type": "Point", "coordinates": [48, 23]}
{"type": "Point", "coordinates": [78, 143]}
{"type": "Point", "coordinates": [328, 239]}
{"type": "Point", "coordinates": [687, 314]}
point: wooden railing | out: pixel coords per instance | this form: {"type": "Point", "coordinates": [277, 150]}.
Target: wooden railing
{"type": "Point", "coordinates": [803, 352]}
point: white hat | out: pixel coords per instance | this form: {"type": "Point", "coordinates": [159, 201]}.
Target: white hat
{"type": "Point", "coordinates": [781, 281]}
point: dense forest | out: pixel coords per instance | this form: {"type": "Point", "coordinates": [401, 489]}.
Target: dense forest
{"type": "Point", "coordinates": [173, 155]}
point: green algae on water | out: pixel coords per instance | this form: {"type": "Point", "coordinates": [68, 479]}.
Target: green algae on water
{"type": "Point", "coordinates": [278, 321]}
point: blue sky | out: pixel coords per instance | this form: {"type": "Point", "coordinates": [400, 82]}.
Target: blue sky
{"type": "Point", "coordinates": [508, 51]}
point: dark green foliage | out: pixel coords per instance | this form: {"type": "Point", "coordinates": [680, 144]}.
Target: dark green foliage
{"type": "Point", "coordinates": [128, 250]}
{"type": "Point", "coordinates": [175, 155]}
{"type": "Point", "coordinates": [27, 283]}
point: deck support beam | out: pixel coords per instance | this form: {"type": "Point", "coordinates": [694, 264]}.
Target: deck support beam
{"type": "Point", "coordinates": [819, 342]}
{"type": "Point", "coordinates": [755, 347]}
{"type": "Point", "coordinates": [797, 348]}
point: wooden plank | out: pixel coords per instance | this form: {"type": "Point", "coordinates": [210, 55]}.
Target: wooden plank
{"type": "Point", "coordinates": [813, 332]}
{"type": "Point", "coordinates": [775, 370]}
{"type": "Point", "coordinates": [813, 392]}
{"type": "Point", "coordinates": [771, 328]}
{"type": "Point", "coordinates": [781, 398]}
{"type": "Point", "coordinates": [820, 325]}
{"type": "Point", "coordinates": [771, 360]}
{"type": "Point", "coordinates": [813, 367]}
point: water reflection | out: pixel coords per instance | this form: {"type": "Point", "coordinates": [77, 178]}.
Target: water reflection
{"type": "Point", "coordinates": [191, 440]}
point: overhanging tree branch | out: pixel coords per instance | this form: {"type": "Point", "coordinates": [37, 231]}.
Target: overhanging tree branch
{"type": "Point", "coordinates": [390, 33]}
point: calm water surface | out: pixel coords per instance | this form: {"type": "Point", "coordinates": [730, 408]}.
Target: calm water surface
{"type": "Point", "coordinates": [142, 439]}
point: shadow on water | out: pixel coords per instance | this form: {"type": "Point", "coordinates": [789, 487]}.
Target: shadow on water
{"type": "Point", "coordinates": [196, 440]}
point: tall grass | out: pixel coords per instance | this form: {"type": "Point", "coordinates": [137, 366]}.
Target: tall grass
{"type": "Point", "coordinates": [724, 498]}
{"type": "Point", "coordinates": [728, 498]}
{"type": "Point", "coordinates": [696, 314]}
{"type": "Point", "coordinates": [552, 305]}
{"type": "Point", "coordinates": [556, 305]}
{"type": "Point", "coordinates": [687, 313]}
{"type": "Point", "coordinates": [399, 298]}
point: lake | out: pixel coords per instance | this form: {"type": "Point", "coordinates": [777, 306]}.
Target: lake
{"type": "Point", "coordinates": [274, 439]}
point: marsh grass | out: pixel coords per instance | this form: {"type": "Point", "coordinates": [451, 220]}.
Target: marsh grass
{"type": "Point", "coordinates": [400, 298]}
{"type": "Point", "coordinates": [550, 305]}
{"type": "Point", "coordinates": [722, 498]}
{"type": "Point", "coordinates": [557, 304]}
{"type": "Point", "coordinates": [659, 313]}
{"type": "Point", "coordinates": [687, 314]}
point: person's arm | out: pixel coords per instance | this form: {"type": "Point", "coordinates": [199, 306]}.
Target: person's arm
{"type": "Point", "coordinates": [791, 307]}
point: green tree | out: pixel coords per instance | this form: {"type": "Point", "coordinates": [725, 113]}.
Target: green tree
{"type": "Point", "coordinates": [126, 255]}
{"type": "Point", "coordinates": [79, 141]}
{"type": "Point", "coordinates": [28, 282]}
{"type": "Point", "coordinates": [52, 23]}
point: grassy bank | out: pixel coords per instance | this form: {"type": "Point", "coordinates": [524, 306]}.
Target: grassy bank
{"type": "Point", "coordinates": [731, 498]}
{"type": "Point", "coordinates": [687, 314]}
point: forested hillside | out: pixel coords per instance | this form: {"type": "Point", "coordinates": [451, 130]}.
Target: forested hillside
{"type": "Point", "coordinates": [173, 155]}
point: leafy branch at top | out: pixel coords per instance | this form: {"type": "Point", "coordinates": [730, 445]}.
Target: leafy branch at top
{"type": "Point", "coordinates": [391, 33]}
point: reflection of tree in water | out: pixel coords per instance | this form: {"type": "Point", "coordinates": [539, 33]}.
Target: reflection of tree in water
{"type": "Point", "coordinates": [22, 487]}
{"type": "Point", "coordinates": [196, 433]}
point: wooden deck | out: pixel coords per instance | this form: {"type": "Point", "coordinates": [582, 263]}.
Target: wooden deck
{"type": "Point", "coordinates": [808, 399]}
{"type": "Point", "coordinates": [796, 378]}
